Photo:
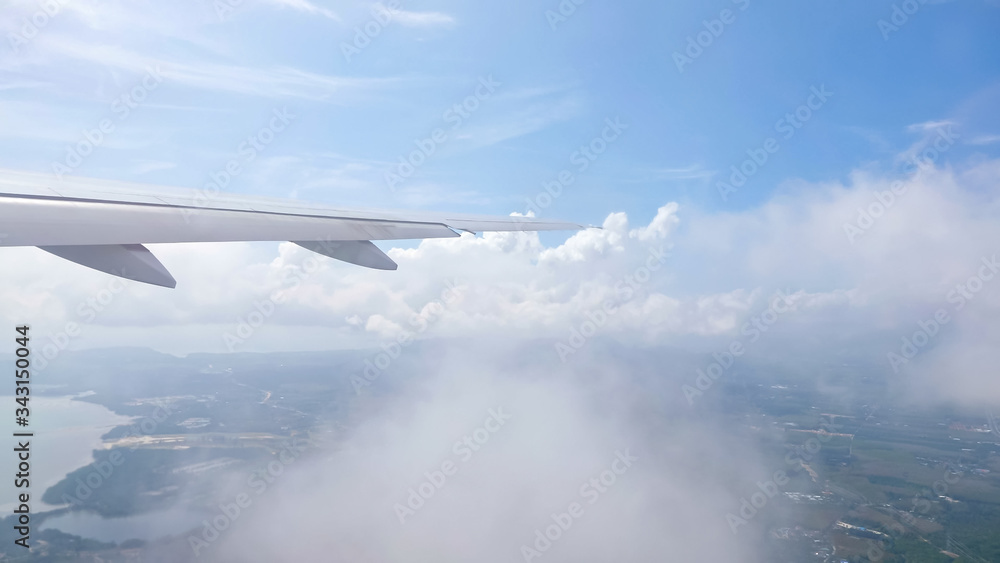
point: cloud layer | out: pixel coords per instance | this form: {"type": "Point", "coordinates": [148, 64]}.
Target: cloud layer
{"type": "Point", "coordinates": [864, 263]}
{"type": "Point", "coordinates": [524, 438]}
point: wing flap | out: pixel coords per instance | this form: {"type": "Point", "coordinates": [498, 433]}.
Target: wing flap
{"type": "Point", "coordinates": [358, 252]}
{"type": "Point", "coordinates": [129, 261]}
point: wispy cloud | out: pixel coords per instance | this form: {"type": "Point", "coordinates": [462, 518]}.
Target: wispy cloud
{"type": "Point", "coordinates": [692, 172]}
{"type": "Point", "coordinates": [655, 174]}
{"type": "Point", "coordinates": [277, 82]}
{"type": "Point", "coordinates": [518, 122]}
{"type": "Point", "coordinates": [873, 136]}
{"type": "Point", "coordinates": [305, 6]}
{"type": "Point", "coordinates": [430, 194]}
{"type": "Point", "coordinates": [984, 140]}
{"type": "Point", "coordinates": [929, 126]}
{"type": "Point", "coordinates": [423, 19]}
{"type": "Point", "coordinates": [143, 166]}
{"type": "Point", "coordinates": [928, 132]}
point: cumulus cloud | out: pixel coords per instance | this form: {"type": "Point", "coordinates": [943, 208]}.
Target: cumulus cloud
{"type": "Point", "coordinates": [867, 268]}
{"type": "Point", "coordinates": [866, 260]}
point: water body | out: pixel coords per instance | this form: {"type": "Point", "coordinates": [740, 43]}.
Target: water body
{"type": "Point", "coordinates": [147, 526]}
{"type": "Point", "coordinates": [66, 434]}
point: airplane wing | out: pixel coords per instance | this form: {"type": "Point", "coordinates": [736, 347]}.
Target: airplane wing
{"type": "Point", "coordinates": [104, 224]}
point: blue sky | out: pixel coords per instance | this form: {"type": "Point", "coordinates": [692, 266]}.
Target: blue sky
{"type": "Point", "coordinates": [223, 75]}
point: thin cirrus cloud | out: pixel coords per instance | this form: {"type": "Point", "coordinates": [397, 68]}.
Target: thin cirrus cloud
{"type": "Point", "coordinates": [690, 172]}
{"type": "Point", "coordinates": [520, 121]}
{"type": "Point", "coordinates": [306, 7]}
{"type": "Point", "coordinates": [275, 81]}
{"type": "Point", "coordinates": [929, 132]}
{"type": "Point", "coordinates": [984, 140]}
{"type": "Point", "coordinates": [423, 19]}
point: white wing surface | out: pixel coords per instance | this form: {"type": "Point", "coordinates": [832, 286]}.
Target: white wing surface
{"type": "Point", "coordinates": [103, 224]}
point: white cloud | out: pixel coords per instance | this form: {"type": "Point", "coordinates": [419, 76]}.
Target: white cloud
{"type": "Point", "coordinates": [306, 7]}
{"type": "Point", "coordinates": [423, 19]}
{"type": "Point", "coordinates": [114, 38]}
{"type": "Point", "coordinates": [930, 134]}
{"type": "Point", "coordinates": [719, 270]}
{"type": "Point", "coordinates": [984, 140]}
{"type": "Point", "coordinates": [929, 125]}
{"type": "Point", "coordinates": [270, 82]}
{"type": "Point", "coordinates": [562, 429]}
{"type": "Point", "coordinates": [692, 172]}
{"type": "Point", "coordinates": [512, 122]}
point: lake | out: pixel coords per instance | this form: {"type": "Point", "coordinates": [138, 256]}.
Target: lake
{"type": "Point", "coordinates": [66, 434]}
{"type": "Point", "coordinates": [147, 526]}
